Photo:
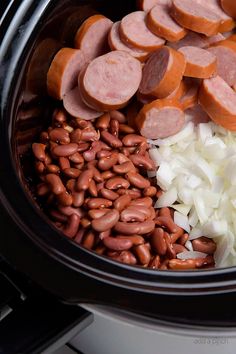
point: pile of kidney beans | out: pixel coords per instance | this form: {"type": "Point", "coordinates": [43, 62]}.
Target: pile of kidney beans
{"type": "Point", "coordinates": [93, 185]}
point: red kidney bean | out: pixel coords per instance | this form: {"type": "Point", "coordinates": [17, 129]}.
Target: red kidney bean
{"type": "Point", "coordinates": [103, 121]}
{"type": "Point", "coordinates": [79, 235]}
{"type": "Point", "coordinates": [59, 135]}
{"type": "Point", "coordinates": [76, 158]}
{"type": "Point", "coordinates": [72, 225]}
{"type": "Point", "coordinates": [133, 139]}
{"type": "Point", "coordinates": [59, 115]}
{"type": "Point", "coordinates": [71, 172]}
{"type": "Point", "coordinates": [137, 180]}
{"type": "Point", "coordinates": [202, 262]}
{"type": "Point", "coordinates": [150, 192]}
{"type": "Point", "coordinates": [110, 139]}
{"type": "Point", "coordinates": [122, 158]}
{"type": "Point", "coordinates": [139, 228]}
{"type": "Point", "coordinates": [55, 183]}
{"type": "Point", "coordinates": [118, 116]}
{"type": "Point", "coordinates": [97, 213]}
{"type": "Point", "coordinates": [134, 194]}
{"type": "Point", "coordinates": [114, 127]}
{"type": "Point", "coordinates": [100, 250]}
{"type": "Point", "coordinates": [155, 262]}
{"type": "Point", "coordinates": [104, 146]}
{"type": "Point", "coordinates": [146, 201]}
{"type": "Point", "coordinates": [56, 215]}
{"type": "Point", "coordinates": [143, 254]}
{"type": "Point", "coordinates": [48, 159]}
{"type": "Point", "coordinates": [96, 203]}
{"type": "Point", "coordinates": [116, 244]}
{"type": "Point", "coordinates": [124, 257]}
{"type": "Point", "coordinates": [39, 167]}
{"type": "Point", "coordinates": [141, 150]}
{"type": "Point", "coordinates": [107, 175]}
{"type": "Point", "coordinates": [142, 209]}
{"type": "Point", "coordinates": [84, 180]}
{"type": "Point", "coordinates": [179, 264]}
{"type": "Point", "coordinates": [90, 154]}
{"type": "Point", "coordinates": [123, 168]}
{"type": "Point", "coordinates": [183, 239]}
{"type": "Point", "coordinates": [104, 234]}
{"type": "Point", "coordinates": [135, 239]}
{"type": "Point", "coordinates": [65, 150]}
{"type": "Point", "coordinates": [106, 222]}
{"type": "Point", "coordinates": [117, 182]}
{"type": "Point", "coordinates": [39, 151]}
{"type": "Point", "coordinates": [103, 153]}
{"type": "Point", "coordinates": [43, 189]}
{"type": "Point", "coordinates": [83, 124]}
{"type": "Point", "coordinates": [105, 163]}
{"type": "Point", "coordinates": [122, 202]}
{"type": "Point", "coordinates": [108, 194]}
{"type": "Point", "coordinates": [92, 188]}
{"type": "Point", "coordinates": [96, 174]}
{"type": "Point", "coordinates": [141, 161]}
{"type": "Point", "coordinates": [85, 222]}
{"type": "Point", "coordinates": [78, 199]}
{"type": "Point", "coordinates": [126, 129]}
{"type": "Point", "coordinates": [44, 138]}
{"type": "Point", "coordinates": [170, 249]}
{"type": "Point", "coordinates": [88, 240]}
{"type": "Point", "coordinates": [178, 248]}
{"type": "Point", "coordinates": [70, 185]}
{"type": "Point", "coordinates": [64, 163]}
{"type": "Point", "coordinates": [166, 222]}
{"type": "Point", "coordinates": [83, 147]}
{"type": "Point", "coordinates": [176, 235]}
{"type": "Point", "coordinates": [89, 134]}
{"type": "Point", "coordinates": [75, 136]}
{"type": "Point", "coordinates": [64, 199]}
{"type": "Point", "coordinates": [100, 186]}
{"type": "Point", "coordinates": [204, 244]}
{"type": "Point", "coordinates": [52, 168]}
{"type": "Point", "coordinates": [158, 241]}
{"type": "Point", "coordinates": [69, 210]}
{"type": "Point", "coordinates": [131, 215]}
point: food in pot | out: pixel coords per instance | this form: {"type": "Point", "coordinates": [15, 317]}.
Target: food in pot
{"type": "Point", "coordinates": [138, 165]}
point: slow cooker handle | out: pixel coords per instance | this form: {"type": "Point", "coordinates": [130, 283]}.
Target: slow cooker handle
{"type": "Point", "coordinates": [32, 322]}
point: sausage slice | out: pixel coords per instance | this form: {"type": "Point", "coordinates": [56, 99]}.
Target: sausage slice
{"type": "Point", "coordinates": [160, 119]}
{"type": "Point", "coordinates": [162, 72]}
{"type": "Point", "coordinates": [196, 115]}
{"type": "Point", "coordinates": [218, 99]}
{"type": "Point", "coordinates": [199, 62]}
{"type": "Point", "coordinates": [190, 96]}
{"type": "Point", "coordinates": [195, 17]}
{"type": "Point", "coordinates": [229, 7]}
{"type": "Point", "coordinates": [75, 106]}
{"type": "Point", "coordinates": [63, 72]}
{"type": "Point", "coordinates": [161, 23]}
{"type": "Point", "coordinates": [147, 5]}
{"type": "Point", "coordinates": [92, 36]}
{"type": "Point", "coordinates": [226, 22]}
{"type": "Point", "coordinates": [225, 52]}
{"type": "Point", "coordinates": [116, 44]}
{"type": "Point", "coordinates": [196, 40]}
{"type": "Point", "coordinates": [133, 30]}
{"type": "Point", "coordinates": [110, 80]}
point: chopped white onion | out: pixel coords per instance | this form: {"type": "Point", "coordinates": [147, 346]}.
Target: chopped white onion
{"type": "Point", "coordinates": [186, 132]}
{"type": "Point", "coordinates": [167, 199]}
{"type": "Point", "coordinates": [191, 255]}
{"type": "Point", "coordinates": [182, 208]}
{"type": "Point", "coordinates": [215, 228]}
{"type": "Point", "coordinates": [182, 221]}
{"type": "Point", "coordinates": [188, 245]}
{"type": "Point", "coordinates": [195, 233]}
{"type": "Point", "coordinates": [204, 131]}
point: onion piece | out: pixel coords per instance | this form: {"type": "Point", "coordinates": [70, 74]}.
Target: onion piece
{"type": "Point", "coordinates": [191, 255]}
{"type": "Point", "coordinates": [182, 221]}
{"type": "Point", "coordinates": [167, 199]}
{"type": "Point", "coordinates": [215, 228]}
{"type": "Point", "coordinates": [182, 208]}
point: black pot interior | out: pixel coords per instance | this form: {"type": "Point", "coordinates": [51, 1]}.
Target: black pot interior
{"type": "Point", "coordinates": [45, 255]}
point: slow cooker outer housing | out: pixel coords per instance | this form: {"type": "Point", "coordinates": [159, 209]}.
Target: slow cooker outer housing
{"type": "Point", "coordinates": [28, 241]}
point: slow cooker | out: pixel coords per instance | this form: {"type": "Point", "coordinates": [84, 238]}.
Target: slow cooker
{"type": "Point", "coordinates": [135, 310]}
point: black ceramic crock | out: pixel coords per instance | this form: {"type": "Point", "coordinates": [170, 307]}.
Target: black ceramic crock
{"type": "Point", "coordinates": [31, 32]}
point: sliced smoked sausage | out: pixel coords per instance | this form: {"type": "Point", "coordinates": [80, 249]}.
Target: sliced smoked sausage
{"type": "Point", "coordinates": [195, 17]}
{"type": "Point", "coordinates": [162, 24]}
{"type": "Point", "coordinates": [225, 52]}
{"type": "Point", "coordinates": [75, 106]}
{"type": "Point", "coordinates": [190, 95]}
{"type": "Point", "coordinates": [199, 62]}
{"type": "Point", "coordinates": [160, 119]}
{"type": "Point", "coordinates": [92, 36]}
{"type": "Point", "coordinates": [162, 72]}
{"type": "Point", "coordinates": [147, 5]}
{"type": "Point", "coordinates": [110, 80]}
{"type": "Point", "coordinates": [218, 99]}
{"type": "Point", "coordinates": [63, 72]}
{"type": "Point", "coordinates": [116, 44]}
{"type": "Point", "coordinates": [134, 31]}
{"type": "Point", "coordinates": [229, 6]}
